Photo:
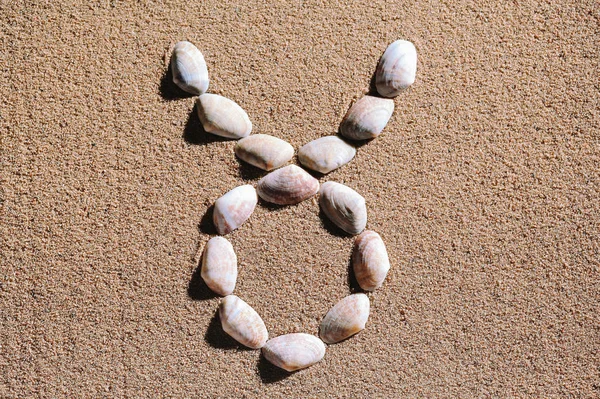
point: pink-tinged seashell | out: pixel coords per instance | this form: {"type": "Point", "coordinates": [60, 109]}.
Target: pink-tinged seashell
{"type": "Point", "coordinates": [234, 208]}
{"type": "Point", "coordinates": [345, 319]}
{"type": "Point", "coordinates": [293, 352]}
{"type": "Point", "coordinates": [219, 266]}
{"type": "Point", "coordinates": [223, 117]}
{"type": "Point", "coordinates": [370, 260]}
{"type": "Point", "coordinates": [326, 154]}
{"type": "Point", "coordinates": [367, 118]}
{"type": "Point", "coordinates": [189, 68]}
{"type": "Point", "coordinates": [343, 206]}
{"type": "Point", "coordinates": [242, 323]}
{"type": "Point", "coordinates": [264, 151]}
{"type": "Point", "coordinates": [397, 68]}
{"type": "Point", "coordinates": [288, 185]}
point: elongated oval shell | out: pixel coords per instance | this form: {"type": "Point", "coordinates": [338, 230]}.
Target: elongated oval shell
{"type": "Point", "coordinates": [189, 68]}
{"type": "Point", "coordinates": [370, 260]}
{"type": "Point", "coordinates": [345, 319]}
{"type": "Point", "coordinates": [343, 206]}
{"type": "Point", "coordinates": [326, 154]}
{"type": "Point", "coordinates": [234, 208]}
{"type": "Point", "coordinates": [239, 320]}
{"type": "Point", "coordinates": [397, 68]}
{"type": "Point", "coordinates": [219, 266]}
{"type": "Point", "coordinates": [223, 117]}
{"type": "Point", "coordinates": [264, 151]}
{"type": "Point", "coordinates": [293, 352]}
{"type": "Point", "coordinates": [288, 185]}
{"type": "Point", "coordinates": [367, 118]}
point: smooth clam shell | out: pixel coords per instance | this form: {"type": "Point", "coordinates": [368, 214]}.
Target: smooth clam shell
{"type": "Point", "coordinates": [189, 68]}
{"type": "Point", "coordinates": [219, 266]}
{"type": "Point", "coordinates": [397, 68]}
{"type": "Point", "coordinates": [234, 208]}
{"type": "Point", "coordinates": [264, 151]}
{"type": "Point", "coordinates": [293, 352]}
{"type": "Point", "coordinates": [343, 206]}
{"type": "Point", "coordinates": [345, 319]}
{"type": "Point", "coordinates": [326, 154]}
{"type": "Point", "coordinates": [242, 323]}
{"type": "Point", "coordinates": [223, 117]}
{"type": "Point", "coordinates": [367, 118]}
{"type": "Point", "coordinates": [370, 260]}
{"type": "Point", "coordinates": [288, 185]}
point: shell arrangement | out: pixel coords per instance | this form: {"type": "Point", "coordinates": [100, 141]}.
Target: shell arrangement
{"type": "Point", "coordinates": [287, 185]}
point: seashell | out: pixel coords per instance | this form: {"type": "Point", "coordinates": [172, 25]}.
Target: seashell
{"type": "Point", "coordinates": [189, 68]}
{"type": "Point", "coordinates": [223, 117]}
{"type": "Point", "coordinates": [367, 118]}
{"type": "Point", "coordinates": [396, 69]}
{"type": "Point", "coordinates": [293, 352]}
{"type": "Point", "coordinates": [264, 151]}
{"type": "Point", "coordinates": [326, 154]}
{"type": "Point", "coordinates": [219, 266]}
{"type": "Point", "coordinates": [234, 208]}
{"type": "Point", "coordinates": [343, 206]}
{"type": "Point", "coordinates": [345, 319]}
{"type": "Point", "coordinates": [239, 320]}
{"type": "Point", "coordinates": [370, 260]}
{"type": "Point", "coordinates": [288, 185]}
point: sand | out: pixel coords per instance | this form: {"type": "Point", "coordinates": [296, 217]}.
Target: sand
{"type": "Point", "coordinates": [484, 185]}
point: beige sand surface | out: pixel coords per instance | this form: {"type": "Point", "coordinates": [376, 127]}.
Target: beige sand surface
{"type": "Point", "coordinates": [485, 186]}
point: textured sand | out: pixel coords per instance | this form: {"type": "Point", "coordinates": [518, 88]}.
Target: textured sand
{"type": "Point", "coordinates": [485, 186]}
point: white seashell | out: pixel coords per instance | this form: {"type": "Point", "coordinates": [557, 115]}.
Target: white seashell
{"type": "Point", "coordinates": [345, 319]}
{"type": "Point", "coordinates": [239, 320]}
{"type": "Point", "coordinates": [264, 151]}
{"type": "Point", "coordinates": [293, 352]}
{"type": "Point", "coordinates": [326, 154]}
{"type": "Point", "coordinates": [223, 117]}
{"type": "Point", "coordinates": [288, 185]}
{"type": "Point", "coordinates": [367, 118]}
{"type": "Point", "coordinates": [189, 68]}
{"type": "Point", "coordinates": [370, 260]}
{"type": "Point", "coordinates": [219, 266]}
{"type": "Point", "coordinates": [343, 206]}
{"type": "Point", "coordinates": [234, 208]}
{"type": "Point", "coordinates": [396, 69]}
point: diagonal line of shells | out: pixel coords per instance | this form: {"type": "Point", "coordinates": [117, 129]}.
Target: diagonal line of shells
{"type": "Point", "coordinates": [290, 184]}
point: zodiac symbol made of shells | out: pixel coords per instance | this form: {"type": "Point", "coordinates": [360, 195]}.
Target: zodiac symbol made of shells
{"type": "Point", "coordinates": [290, 184]}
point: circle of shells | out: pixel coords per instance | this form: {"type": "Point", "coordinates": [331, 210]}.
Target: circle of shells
{"type": "Point", "coordinates": [287, 185]}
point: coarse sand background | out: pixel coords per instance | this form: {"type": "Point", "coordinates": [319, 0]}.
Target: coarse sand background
{"type": "Point", "coordinates": [484, 185]}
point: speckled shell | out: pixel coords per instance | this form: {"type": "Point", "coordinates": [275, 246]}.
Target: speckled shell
{"type": "Point", "coordinates": [367, 118]}
{"type": "Point", "coordinates": [219, 266]}
{"type": "Point", "coordinates": [189, 68]}
{"type": "Point", "coordinates": [326, 154]}
{"type": "Point", "coordinates": [370, 260]}
{"type": "Point", "coordinates": [264, 151]}
{"type": "Point", "coordinates": [343, 206]}
{"type": "Point", "coordinates": [397, 68]}
{"type": "Point", "coordinates": [345, 319]}
{"type": "Point", "coordinates": [239, 320]}
{"type": "Point", "coordinates": [234, 208]}
{"type": "Point", "coordinates": [223, 117]}
{"type": "Point", "coordinates": [293, 352]}
{"type": "Point", "coordinates": [288, 185]}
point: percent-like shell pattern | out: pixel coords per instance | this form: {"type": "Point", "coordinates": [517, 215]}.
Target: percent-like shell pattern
{"type": "Point", "coordinates": [288, 185]}
{"type": "Point", "coordinates": [234, 208]}
{"type": "Point", "coordinates": [346, 318]}
{"type": "Point", "coordinates": [242, 323]}
{"type": "Point", "coordinates": [326, 154]}
{"type": "Point", "coordinates": [264, 151]}
{"type": "Point", "coordinates": [397, 68]}
{"type": "Point", "coordinates": [367, 118]}
{"type": "Point", "coordinates": [370, 260]}
{"type": "Point", "coordinates": [223, 117]}
{"type": "Point", "coordinates": [293, 352]}
{"type": "Point", "coordinates": [343, 206]}
{"type": "Point", "coordinates": [189, 68]}
{"type": "Point", "coordinates": [219, 266]}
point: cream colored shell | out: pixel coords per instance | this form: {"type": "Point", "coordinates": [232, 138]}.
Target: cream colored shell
{"type": "Point", "coordinates": [370, 260]}
{"type": "Point", "coordinates": [293, 352]}
{"type": "Point", "coordinates": [346, 318]}
{"type": "Point", "coordinates": [223, 117]}
{"type": "Point", "coordinates": [242, 323]}
{"type": "Point", "coordinates": [326, 154]}
{"type": "Point", "coordinates": [219, 266]}
{"type": "Point", "coordinates": [343, 206]}
{"type": "Point", "coordinates": [367, 118]}
{"type": "Point", "coordinates": [264, 151]}
{"type": "Point", "coordinates": [397, 68]}
{"type": "Point", "coordinates": [234, 208]}
{"type": "Point", "coordinates": [288, 185]}
{"type": "Point", "coordinates": [189, 68]}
